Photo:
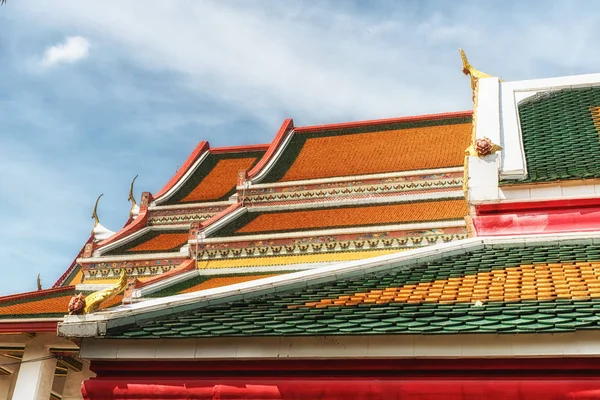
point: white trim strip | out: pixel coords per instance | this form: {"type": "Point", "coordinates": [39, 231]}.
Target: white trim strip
{"type": "Point", "coordinates": [182, 180]}
{"type": "Point", "coordinates": [344, 231]}
{"type": "Point", "coordinates": [132, 257]}
{"type": "Point", "coordinates": [137, 234]}
{"type": "Point", "coordinates": [363, 201]}
{"type": "Point", "coordinates": [139, 294]}
{"type": "Point", "coordinates": [225, 203]}
{"type": "Point", "coordinates": [576, 344]}
{"type": "Point", "coordinates": [359, 177]}
{"type": "Point", "coordinates": [274, 158]}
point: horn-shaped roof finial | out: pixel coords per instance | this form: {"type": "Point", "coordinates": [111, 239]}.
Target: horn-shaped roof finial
{"type": "Point", "coordinates": [135, 210]}
{"type": "Point", "coordinates": [95, 212]}
{"type": "Point", "coordinates": [99, 231]}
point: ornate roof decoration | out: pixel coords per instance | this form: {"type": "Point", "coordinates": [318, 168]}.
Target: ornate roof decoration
{"type": "Point", "coordinates": [371, 147]}
{"type": "Point", "coordinates": [99, 231]}
{"type": "Point", "coordinates": [135, 209]}
{"type": "Point", "coordinates": [473, 73]}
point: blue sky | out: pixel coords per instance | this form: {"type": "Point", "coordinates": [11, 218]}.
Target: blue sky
{"type": "Point", "coordinates": [93, 93]}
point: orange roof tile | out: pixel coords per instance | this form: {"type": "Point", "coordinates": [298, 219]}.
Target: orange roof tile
{"type": "Point", "coordinates": [162, 242]}
{"type": "Point", "coordinates": [357, 216]}
{"type": "Point", "coordinates": [573, 281]}
{"type": "Point", "coordinates": [379, 152]}
{"type": "Point", "coordinates": [224, 281]}
{"type": "Point", "coordinates": [48, 305]}
{"type": "Point", "coordinates": [220, 180]}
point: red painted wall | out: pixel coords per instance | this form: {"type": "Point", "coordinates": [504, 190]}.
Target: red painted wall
{"type": "Point", "coordinates": [347, 389]}
{"type": "Point", "coordinates": [443, 379]}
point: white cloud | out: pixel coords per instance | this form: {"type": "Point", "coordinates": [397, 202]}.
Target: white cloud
{"type": "Point", "coordinates": [73, 49]}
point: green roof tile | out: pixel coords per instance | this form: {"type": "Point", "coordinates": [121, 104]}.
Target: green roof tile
{"type": "Point", "coordinates": [559, 136]}
{"type": "Point", "coordinates": [272, 316]}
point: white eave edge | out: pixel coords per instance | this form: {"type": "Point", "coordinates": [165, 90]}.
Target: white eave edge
{"type": "Point", "coordinates": [97, 324]}
{"type": "Point", "coordinates": [181, 181]}
{"type": "Point", "coordinates": [274, 158]}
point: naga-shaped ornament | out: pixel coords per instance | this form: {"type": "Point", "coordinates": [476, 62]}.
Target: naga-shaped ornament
{"type": "Point", "coordinates": [473, 73]}
{"type": "Point", "coordinates": [85, 305]}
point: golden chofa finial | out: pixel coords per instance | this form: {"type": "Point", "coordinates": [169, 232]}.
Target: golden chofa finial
{"type": "Point", "coordinates": [131, 198]}
{"type": "Point", "coordinates": [468, 69]}
{"type": "Point", "coordinates": [95, 212]}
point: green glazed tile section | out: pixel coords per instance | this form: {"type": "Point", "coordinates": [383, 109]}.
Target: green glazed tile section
{"type": "Point", "coordinates": [559, 136]}
{"type": "Point", "coordinates": [271, 316]}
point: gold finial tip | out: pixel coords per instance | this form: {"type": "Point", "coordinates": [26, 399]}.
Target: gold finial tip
{"type": "Point", "coordinates": [95, 212]}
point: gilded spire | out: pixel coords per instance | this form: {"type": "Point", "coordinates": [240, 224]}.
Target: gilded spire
{"type": "Point", "coordinates": [131, 198]}
{"type": "Point", "coordinates": [95, 212]}
{"type": "Point", "coordinates": [468, 69]}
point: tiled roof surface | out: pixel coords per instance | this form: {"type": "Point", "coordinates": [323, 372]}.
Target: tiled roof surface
{"type": "Point", "coordinates": [294, 259]}
{"type": "Point", "coordinates": [560, 134]}
{"type": "Point", "coordinates": [154, 242]}
{"type": "Point", "coordinates": [208, 282]}
{"type": "Point", "coordinates": [215, 179]}
{"type": "Point", "coordinates": [373, 149]}
{"type": "Point", "coordinates": [531, 289]}
{"type": "Point", "coordinates": [44, 304]}
{"type": "Point", "coordinates": [341, 217]}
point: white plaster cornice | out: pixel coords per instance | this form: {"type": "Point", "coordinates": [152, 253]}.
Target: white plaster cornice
{"type": "Point", "coordinates": [467, 345]}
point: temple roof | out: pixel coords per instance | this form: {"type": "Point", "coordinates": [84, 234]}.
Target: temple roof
{"type": "Point", "coordinates": [548, 287]}
{"type": "Point", "coordinates": [560, 134]}
{"type": "Point", "coordinates": [344, 216]}
{"type": "Point", "coordinates": [372, 147]}
{"type": "Point", "coordinates": [209, 174]}
{"type": "Point", "coordinates": [153, 241]}
{"type": "Point", "coordinates": [48, 303]}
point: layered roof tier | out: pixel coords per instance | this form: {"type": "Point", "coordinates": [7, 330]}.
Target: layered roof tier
{"type": "Point", "coordinates": [536, 285]}
{"type": "Point", "coordinates": [344, 192]}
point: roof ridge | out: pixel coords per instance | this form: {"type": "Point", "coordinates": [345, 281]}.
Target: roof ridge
{"type": "Point", "coordinates": [356, 124]}
{"type": "Point", "coordinates": [33, 294]}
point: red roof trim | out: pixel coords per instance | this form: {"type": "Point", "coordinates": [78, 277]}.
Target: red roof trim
{"type": "Point", "coordinates": [220, 215]}
{"type": "Point", "coordinates": [427, 117]}
{"type": "Point", "coordinates": [185, 266]}
{"type": "Point", "coordinates": [239, 149]}
{"type": "Point", "coordinates": [139, 223]}
{"type": "Point", "coordinates": [286, 127]}
{"type": "Point", "coordinates": [34, 294]}
{"type": "Point", "coordinates": [201, 148]}
{"type": "Point", "coordinates": [21, 327]}
{"type": "Point", "coordinates": [545, 205]}
{"type": "Point", "coordinates": [64, 276]}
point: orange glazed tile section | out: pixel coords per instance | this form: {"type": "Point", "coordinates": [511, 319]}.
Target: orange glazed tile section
{"type": "Point", "coordinates": [164, 241]}
{"type": "Point", "coordinates": [379, 152]}
{"type": "Point", "coordinates": [356, 216]}
{"type": "Point", "coordinates": [220, 180]}
{"type": "Point", "coordinates": [224, 281]}
{"type": "Point", "coordinates": [575, 281]}
{"type": "Point", "coordinates": [43, 306]}
{"type": "Point", "coordinates": [52, 305]}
